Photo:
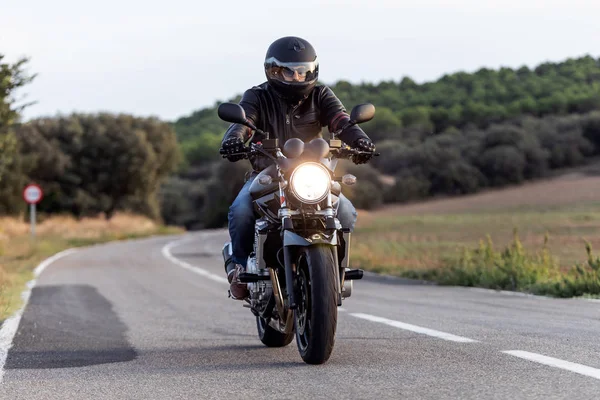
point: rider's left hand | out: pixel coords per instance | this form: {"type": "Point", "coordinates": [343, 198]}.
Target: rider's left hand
{"type": "Point", "coordinates": [365, 145]}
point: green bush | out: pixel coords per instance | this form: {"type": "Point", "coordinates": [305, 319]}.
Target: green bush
{"type": "Point", "coordinates": [582, 279]}
{"type": "Point", "coordinates": [517, 270]}
{"type": "Point", "coordinates": [181, 201]}
{"type": "Point", "coordinates": [511, 269]}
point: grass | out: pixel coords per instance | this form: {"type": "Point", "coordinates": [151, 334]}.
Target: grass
{"type": "Point", "coordinates": [446, 242]}
{"type": "Point", "coordinates": [20, 254]}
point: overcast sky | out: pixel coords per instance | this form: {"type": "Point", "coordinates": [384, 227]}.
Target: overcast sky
{"type": "Point", "coordinates": [168, 58]}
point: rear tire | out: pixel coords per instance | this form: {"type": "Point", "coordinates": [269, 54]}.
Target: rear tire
{"type": "Point", "coordinates": [271, 337]}
{"type": "Point", "coordinates": [316, 315]}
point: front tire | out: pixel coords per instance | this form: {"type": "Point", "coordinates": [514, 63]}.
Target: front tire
{"type": "Point", "coordinates": [316, 315]}
{"type": "Point", "coordinates": [271, 337]}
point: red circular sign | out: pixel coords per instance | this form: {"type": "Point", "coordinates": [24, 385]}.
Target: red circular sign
{"type": "Point", "coordinates": [33, 194]}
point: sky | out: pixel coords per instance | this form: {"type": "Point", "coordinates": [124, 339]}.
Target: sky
{"type": "Point", "coordinates": [169, 58]}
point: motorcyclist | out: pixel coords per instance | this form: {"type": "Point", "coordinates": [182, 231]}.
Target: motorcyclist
{"type": "Point", "coordinates": [290, 105]}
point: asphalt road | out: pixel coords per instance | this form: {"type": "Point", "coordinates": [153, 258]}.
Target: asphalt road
{"type": "Point", "coordinates": [151, 320]}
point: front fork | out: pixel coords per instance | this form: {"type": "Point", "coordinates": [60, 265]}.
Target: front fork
{"type": "Point", "coordinates": [290, 276]}
{"type": "Point", "coordinates": [291, 239]}
{"type": "Point", "coordinates": [287, 232]}
{"type": "Point", "coordinates": [287, 226]}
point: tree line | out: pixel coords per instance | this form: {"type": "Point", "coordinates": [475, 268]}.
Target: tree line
{"type": "Point", "coordinates": [456, 135]}
{"type": "Point", "coordinates": [87, 164]}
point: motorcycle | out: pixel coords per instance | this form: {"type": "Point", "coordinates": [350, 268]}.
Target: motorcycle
{"type": "Point", "coordinates": [298, 273]}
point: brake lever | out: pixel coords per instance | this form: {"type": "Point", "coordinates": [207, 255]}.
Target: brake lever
{"type": "Point", "coordinates": [259, 149]}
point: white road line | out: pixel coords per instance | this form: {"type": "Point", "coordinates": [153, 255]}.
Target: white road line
{"type": "Point", "coordinates": [166, 251]}
{"type": "Point", "coordinates": [414, 328]}
{"type": "Point", "coordinates": [10, 326]}
{"type": "Point", "coordinates": [556, 362]}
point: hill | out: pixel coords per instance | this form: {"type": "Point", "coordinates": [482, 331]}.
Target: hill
{"type": "Point", "coordinates": [458, 135]}
{"type": "Point", "coordinates": [566, 190]}
{"type": "Point", "coordinates": [455, 100]}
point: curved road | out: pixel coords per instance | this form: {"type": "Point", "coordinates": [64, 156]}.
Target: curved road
{"type": "Point", "coordinates": [150, 319]}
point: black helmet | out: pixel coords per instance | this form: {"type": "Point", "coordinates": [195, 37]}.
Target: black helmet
{"type": "Point", "coordinates": [291, 67]}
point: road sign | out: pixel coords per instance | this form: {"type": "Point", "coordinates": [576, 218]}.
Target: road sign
{"type": "Point", "coordinates": [33, 194]}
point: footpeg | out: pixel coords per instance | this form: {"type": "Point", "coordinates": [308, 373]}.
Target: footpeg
{"type": "Point", "coordinates": [353, 274]}
{"type": "Point", "coordinates": [246, 277]}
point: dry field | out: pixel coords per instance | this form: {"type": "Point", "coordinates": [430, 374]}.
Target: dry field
{"type": "Point", "coordinates": [423, 235]}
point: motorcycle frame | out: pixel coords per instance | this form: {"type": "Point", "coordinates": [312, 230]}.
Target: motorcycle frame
{"type": "Point", "coordinates": [291, 241]}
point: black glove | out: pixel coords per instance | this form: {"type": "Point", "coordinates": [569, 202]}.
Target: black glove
{"type": "Point", "coordinates": [363, 145]}
{"type": "Point", "coordinates": [232, 146]}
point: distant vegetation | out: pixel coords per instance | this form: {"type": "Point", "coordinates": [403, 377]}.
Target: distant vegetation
{"type": "Point", "coordinates": [458, 135]}
{"type": "Point", "coordinates": [87, 164]}
{"type": "Point", "coordinates": [12, 78]}
{"type": "Point", "coordinates": [101, 163]}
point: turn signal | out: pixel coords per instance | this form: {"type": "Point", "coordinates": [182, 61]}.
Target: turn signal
{"type": "Point", "coordinates": [348, 179]}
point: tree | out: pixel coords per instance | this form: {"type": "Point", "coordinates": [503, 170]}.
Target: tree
{"type": "Point", "coordinates": [455, 135]}
{"type": "Point", "coordinates": [386, 124]}
{"type": "Point", "coordinates": [591, 129]}
{"type": "Point", "coordinates": [503, 165]}
{"type": "Point", "coordinates": [90, 164]}
{"type": "Point", "coordinates": [223, 187]}
{"type": "Point", "coordinates": [12, 78]}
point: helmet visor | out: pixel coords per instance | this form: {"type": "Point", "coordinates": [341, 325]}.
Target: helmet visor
{"type": "Point", "coordinates": [292, 72]}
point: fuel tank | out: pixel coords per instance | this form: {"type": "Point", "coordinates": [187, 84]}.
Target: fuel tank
{"type": "Point", "coordinates": [258, 190]}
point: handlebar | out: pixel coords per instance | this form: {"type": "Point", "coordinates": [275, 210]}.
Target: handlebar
{"type": "Point", "coordinates": [252, 150]}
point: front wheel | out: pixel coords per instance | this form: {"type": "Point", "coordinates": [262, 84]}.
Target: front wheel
{"type": "Point", "coordinates": [316, 315]}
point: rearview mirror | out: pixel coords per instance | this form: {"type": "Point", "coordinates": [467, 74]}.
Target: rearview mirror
{"type": "Point", "coordinates": [362, 113]}
{"type": "Point", "coordinates": [232, 112]}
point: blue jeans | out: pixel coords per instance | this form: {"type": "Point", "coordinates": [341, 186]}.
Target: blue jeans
{"type": "Point", "coordinates": [242, 218]}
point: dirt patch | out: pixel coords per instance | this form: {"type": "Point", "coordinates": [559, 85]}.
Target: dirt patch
{"type": "Point", "coordinates": [572, 189]}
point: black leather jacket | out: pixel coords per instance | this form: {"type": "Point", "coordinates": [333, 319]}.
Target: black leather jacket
{"type": "Point", "coordinates": [303, 120]}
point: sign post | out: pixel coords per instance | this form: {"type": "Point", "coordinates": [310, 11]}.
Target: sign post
{"type": "Point", "coordinates": [33, 194]}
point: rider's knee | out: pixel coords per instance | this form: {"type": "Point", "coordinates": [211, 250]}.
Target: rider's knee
{"type": "Point", "coordinates": [240, 211]}
{"type": "Point", "coordinates": [347, 214]}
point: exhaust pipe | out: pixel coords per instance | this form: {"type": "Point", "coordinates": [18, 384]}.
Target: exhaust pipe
{"type": "Point", "coordinates": [227, 257]}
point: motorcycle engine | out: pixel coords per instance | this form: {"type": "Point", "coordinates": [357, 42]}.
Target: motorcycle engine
{"type": "Point", "coordinates": [261, 291]}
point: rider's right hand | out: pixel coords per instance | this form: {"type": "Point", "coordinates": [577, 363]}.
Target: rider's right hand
{"type": "Point", "coordinates": [232, 146]}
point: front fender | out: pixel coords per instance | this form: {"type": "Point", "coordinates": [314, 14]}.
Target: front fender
{"type": "Point", "coordinates": [293, 239]}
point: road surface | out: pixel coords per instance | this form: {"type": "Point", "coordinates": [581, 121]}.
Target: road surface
{"type": "Point", "coordinates": [150, 319]}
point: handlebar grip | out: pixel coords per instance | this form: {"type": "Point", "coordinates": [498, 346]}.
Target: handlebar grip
{"type": "Point", "coordinates": [244, 151]}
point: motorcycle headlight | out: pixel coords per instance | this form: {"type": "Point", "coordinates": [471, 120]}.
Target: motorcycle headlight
{"type": "Point", "coordinates": [310, 183]}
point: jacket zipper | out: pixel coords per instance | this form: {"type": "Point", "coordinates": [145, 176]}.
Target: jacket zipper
{"type": "Point", "coordinates": [288, 117]}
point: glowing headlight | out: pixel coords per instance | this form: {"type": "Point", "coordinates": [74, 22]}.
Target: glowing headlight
{"type": "Point", "coordinates": [310, 183]}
